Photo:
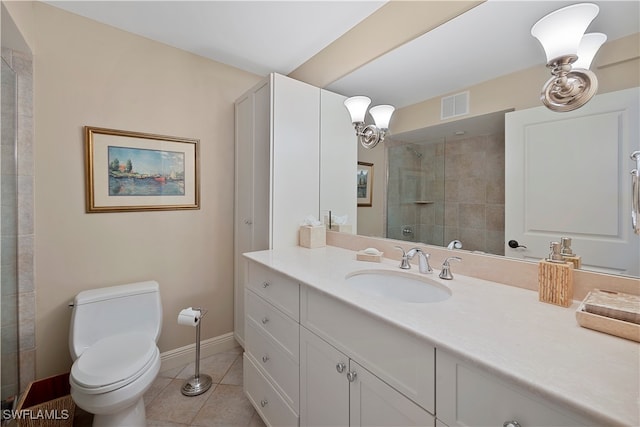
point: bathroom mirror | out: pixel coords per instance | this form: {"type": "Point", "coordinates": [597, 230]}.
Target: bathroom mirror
{"type": "Point", "coordinates": [439, 146]}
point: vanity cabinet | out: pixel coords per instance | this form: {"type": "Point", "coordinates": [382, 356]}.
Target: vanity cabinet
{"type": "Point", "coordinates": [468, 395]}
{"type": "Point", "coordinates": [271, 358]}
{"type": "Point", "coordinates": [337, 391]}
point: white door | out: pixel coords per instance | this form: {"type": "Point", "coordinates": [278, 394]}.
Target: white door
{"type": "Point", "coordinates": [374, 403]}
{"type": "Point", "coordinates": [567, 175]}
{"type": "Point", "coordinates": [324, 389]}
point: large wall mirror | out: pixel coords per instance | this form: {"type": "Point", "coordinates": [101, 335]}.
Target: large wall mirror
{"type": "Point", "coordinates": [450, 182]}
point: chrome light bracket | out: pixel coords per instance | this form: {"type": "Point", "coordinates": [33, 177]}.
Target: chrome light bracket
{"type": "Point", "coordinates": [369, 135]}
{"type": "Point", "coordinates": [568, 89]}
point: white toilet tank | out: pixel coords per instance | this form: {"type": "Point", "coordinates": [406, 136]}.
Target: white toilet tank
{"type": "Point", "coordinates": [103, 312]}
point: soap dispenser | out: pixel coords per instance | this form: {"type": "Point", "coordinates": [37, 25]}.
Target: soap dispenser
{"type": "Point", "coordinates": [567, 253]}
{"type": "Point", "coordinates": [555, 278]}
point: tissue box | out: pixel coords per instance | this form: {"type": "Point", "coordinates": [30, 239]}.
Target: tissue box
{"type": "Point", "coordinates": [313, 236]}
{"type": "Point", "coordinates": [342, 228]}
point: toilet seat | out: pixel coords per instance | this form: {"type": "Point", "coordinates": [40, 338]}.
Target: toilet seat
{"type": "Point", "coordinates": [113, 362]}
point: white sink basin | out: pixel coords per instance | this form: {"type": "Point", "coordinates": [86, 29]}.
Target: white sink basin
{"type": "Point", "coordinates": [398, 285]}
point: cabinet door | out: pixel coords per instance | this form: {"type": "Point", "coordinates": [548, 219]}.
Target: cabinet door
{"type": "Point", "coordinates": [324, 390]}
{"type": "Point", "coordinates": [468, 396]}
{"type": "Point", "coordinates": [252, 203]}
{"type": "Point", "coordinates": [374, 403]}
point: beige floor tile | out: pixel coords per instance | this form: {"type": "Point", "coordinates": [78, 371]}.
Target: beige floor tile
{"type": "Point", "coordinates": [227, 406]}
{"type": "Point", "coordinates": [215, 366]}
{"type": "Point", "coordinates": [171, 405]}
{"type": "Point", "coordinates": [159, 384]}
{"type": "Point", "coordinates": [234, 374]}
{"type": "Point", "coordinates": [256, 421]}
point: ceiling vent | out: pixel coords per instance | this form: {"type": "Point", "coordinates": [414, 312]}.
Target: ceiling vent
{"type": "Point", "coordinates": [454, 105]}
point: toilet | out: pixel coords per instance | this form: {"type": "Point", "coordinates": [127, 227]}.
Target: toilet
{"type": "Point", "coordinates": [112, 341]}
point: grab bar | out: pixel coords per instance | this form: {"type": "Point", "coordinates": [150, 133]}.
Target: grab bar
{"type": "Point", "coordinates": [635, 193]}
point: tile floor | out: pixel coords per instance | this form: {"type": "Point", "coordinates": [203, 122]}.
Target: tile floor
{"type": "Point", "coordinates": [224, 404]}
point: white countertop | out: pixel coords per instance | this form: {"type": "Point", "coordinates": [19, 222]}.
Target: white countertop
{"type": "Point", "coordinates": [501, 328]}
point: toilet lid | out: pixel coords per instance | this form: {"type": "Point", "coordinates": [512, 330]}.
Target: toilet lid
{"type": "Point", "coordinates": [113, 361]}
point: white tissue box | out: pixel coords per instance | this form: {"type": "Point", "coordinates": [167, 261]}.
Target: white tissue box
{"type": "Point", "coordinates": [342, 228]}
{"type": "Point", "coordinates": [313, 236]}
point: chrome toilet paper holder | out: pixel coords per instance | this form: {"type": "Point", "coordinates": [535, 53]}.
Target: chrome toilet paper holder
{"type": "Point", "coordinates": [198, 383]}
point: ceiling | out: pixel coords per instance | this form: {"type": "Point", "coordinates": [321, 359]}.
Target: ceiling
{"type": "Point", "coordinates": [488, 41]}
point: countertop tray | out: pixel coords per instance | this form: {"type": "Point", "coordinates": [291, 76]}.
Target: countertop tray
{"type": "Point", "coordinates": [608, 325]}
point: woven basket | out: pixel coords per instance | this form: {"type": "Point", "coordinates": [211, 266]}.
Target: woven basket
{"type": "Point", "coordinates": [47, 403]}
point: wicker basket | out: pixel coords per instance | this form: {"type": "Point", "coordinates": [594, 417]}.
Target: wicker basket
{"type": "Point", "coordinates": [47, 403]}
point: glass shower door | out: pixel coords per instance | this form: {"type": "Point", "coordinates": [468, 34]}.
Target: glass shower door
{"type": "Point", "coordinates": [415, 191]}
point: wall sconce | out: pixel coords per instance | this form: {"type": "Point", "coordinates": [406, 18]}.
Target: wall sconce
{"type": "Point", "coordinates": [569, 54]}
{"type": "Point", "coordinates": [369, 135]}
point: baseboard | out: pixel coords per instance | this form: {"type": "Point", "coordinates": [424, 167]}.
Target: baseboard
{"type": "Point", "coordinates": [181, 356]}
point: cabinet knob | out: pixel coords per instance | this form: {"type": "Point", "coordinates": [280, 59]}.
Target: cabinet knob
{"type": "Point", "coordinates": [351, 376]}
{"type": "Point", "coordinates": [248, 221]}
{"type": "Point", "coordinates": [265, 320]}
{"type": "Point", "coordinates": [265, 359]}
{"type": "Point", "coordinates": [340, 367]}
{"type": "Point", "coordinates": [511, 424]}
{"type": "Point", "coordinates": [264, 402]}
{"type": "Point", "coordinates": [265, 284]}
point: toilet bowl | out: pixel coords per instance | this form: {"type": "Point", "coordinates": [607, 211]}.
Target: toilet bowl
{"type": "Point", "coordinates": [116, 359]}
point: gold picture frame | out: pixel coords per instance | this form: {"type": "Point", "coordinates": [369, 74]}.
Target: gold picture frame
{"type": "Point", "coordinates": [134, 171]}
{"type": "Point", "coordinates": [364, 182]}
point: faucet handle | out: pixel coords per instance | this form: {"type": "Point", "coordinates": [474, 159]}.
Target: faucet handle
{"type": "Point", "coordinates": [446, 268]}
{"type": "Point", "coordinates": [404, 262]}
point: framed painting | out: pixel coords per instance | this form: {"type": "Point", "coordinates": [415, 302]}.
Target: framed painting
{"type": "Point", "coordinates": [133, 171]}
{"type": "Point", "coordinates": [365, 183]}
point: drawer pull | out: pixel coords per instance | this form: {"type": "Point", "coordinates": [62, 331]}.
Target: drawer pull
{"type": "Point", "coordinates": [265, 358]}
{"type": "Point", "coordinates": [264, 402]}
{"type": "Point", "coordinates": [265, 320]}
{"type": "Point", "coordinates": [351, 376]}
{"type": "Point", "coordinates": [340, 367]}
{"type": "Point", "coordinates": [511, 424]}
{"type": "Point", "coordinates": [265, 284]}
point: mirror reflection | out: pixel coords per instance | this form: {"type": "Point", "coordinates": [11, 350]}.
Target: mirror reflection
{"type": "Point", "coordinates": [444, 182]}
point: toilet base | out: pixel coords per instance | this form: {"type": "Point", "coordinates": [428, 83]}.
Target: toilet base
{"type": "Point", "coordinates": [132, 416]}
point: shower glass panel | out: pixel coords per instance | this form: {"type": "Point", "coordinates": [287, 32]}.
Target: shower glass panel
{"type": "Point", "coordinates": [415, 191]}
{"type": "Point", "coordinates": [9, 234]}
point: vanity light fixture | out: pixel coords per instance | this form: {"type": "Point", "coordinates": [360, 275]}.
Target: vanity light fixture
{"type": "Point", "coordinates": [369, 135]}
{"type": "Point", "coordinates": [569, 54]}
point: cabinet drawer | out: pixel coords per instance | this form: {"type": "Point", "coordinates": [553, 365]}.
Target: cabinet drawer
{"type": "Point", "coordinates": [404, 361]}
{"type": "Point", "coordinates": [468, 395]}
{"type": "Point", "coordinates": [274, 363]}
{"type": "Point", "coordinates": [278, 289]}
{"type": "Point", "coordinates": [265, 399]}
{"type": "Point", "coordinates": [272, 322]}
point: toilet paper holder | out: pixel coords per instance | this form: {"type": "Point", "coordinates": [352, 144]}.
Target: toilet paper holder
{"type": "Point", "coordinates": [198, 383]}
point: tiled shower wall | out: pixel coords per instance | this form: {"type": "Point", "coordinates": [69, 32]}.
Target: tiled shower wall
{"type": "Point", "coordinates": [474, 193]}
{"type": "Point", "coordinates": [22, 64]}
{"type": "Point", "coordinates": [443, 190]}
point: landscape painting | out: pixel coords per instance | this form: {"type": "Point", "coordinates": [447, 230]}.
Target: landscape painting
{"type": "Point", "coordinates": [134, 171]}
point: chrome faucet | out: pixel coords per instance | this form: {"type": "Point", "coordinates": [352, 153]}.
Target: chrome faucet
{"type": "Point", "coordinates": [423, 260]}
{"type": "Point", "coordinates": [404, 261]}
{"type": "Point", "coordinates": [446, 268]}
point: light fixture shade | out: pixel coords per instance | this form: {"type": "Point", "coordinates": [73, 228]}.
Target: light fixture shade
{"type": "Point", "coordinates": [588, 48]}
{"type": "Point", "coordinates": [382, 115]}
{"type": "Point", "coordinates": [560, 32]}
{"type": "Point", "coordinates": [357, 106]}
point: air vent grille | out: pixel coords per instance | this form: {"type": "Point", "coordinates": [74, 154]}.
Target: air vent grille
{"type": "Point", "coordinates": [454, 105]}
